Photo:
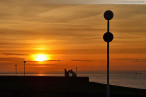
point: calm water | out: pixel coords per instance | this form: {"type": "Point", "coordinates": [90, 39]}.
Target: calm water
{"type": "Point", "coordinates": [127, 80]}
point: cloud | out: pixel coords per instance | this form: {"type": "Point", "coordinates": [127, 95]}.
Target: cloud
{"type": "Point", "coordinates": [11, 60]}
{"type": "Point", "coordinates": [53, 60]}
{"type": "Point", "coordinates": [19, 54]}
{"type": "Point", "coordinates": [46, 60]}
{"type": "Point", "coordinates": [131, 60]}
{"type": "Point", "coordinates": [87, 60]}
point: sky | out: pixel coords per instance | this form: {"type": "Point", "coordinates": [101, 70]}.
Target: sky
{"type": "Point", "coordinates": [71, 35]}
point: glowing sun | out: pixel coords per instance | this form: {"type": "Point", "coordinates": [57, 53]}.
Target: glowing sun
{"type": "Point", "coordinates": [41, 57]}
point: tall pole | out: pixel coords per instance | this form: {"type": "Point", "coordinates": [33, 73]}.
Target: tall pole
{"type": "Point", "coordinates": [108, 37]}
{"type": "Point", "coordinates": [108, 86]}
{"type": "Point", "coordinates": [107, 25]}
{"type": "Point", "coordinates": [24, 67]}
{"type": "Point", "coordinates": [16, 69]}
{"type": "Point", "coordinates": [76, 69]}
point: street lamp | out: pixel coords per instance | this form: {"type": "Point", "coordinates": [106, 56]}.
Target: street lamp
{"type": "Point", "coordinates": [108, 37]}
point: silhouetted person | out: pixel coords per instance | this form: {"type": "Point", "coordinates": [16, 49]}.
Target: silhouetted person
{"type": "Point", "coordinates": [70, 74]}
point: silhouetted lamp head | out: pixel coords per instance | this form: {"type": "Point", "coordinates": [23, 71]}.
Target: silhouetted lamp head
{"type": "Point", "coordinates": [108, 15]}
{"type": "Point", "coordinates": [24, 61]}
{"type": "Point", "coordinates": [108, 37]}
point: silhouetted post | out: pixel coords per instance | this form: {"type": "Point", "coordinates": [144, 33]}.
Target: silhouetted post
{"type": "Point", "coordinates": [76, 69]}
{"type": "Point", "coordinates": [16, 69]}
{"type": "Point", "coordinates": [108, 37]}
{"type": "Point", "coordinates": [24, 67]}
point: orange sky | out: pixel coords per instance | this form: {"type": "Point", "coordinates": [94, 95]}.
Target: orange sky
{"type": "Point", "coordinates": [71, 34]}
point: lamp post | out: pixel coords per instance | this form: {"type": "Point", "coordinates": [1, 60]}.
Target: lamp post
{"type": "Point", "coordinates": [108, 37]}
{"type": "Point", "coordinates": [24, 67]}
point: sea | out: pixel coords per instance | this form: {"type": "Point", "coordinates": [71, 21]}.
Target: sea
{"type": "Point", "coordinates": [133, 80]}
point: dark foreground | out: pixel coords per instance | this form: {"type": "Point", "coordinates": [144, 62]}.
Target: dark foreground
{"type": "Point", "coordinates": [11, 86]}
